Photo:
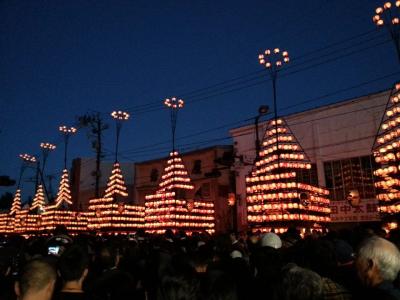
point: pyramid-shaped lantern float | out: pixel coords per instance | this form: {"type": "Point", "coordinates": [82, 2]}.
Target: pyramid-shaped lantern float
{"type": "Point", "coordinates": [38, 201]}
{"type": "Point", "coordinates": [12, 219]}
{"type": "Point", "coordinates": [170, 207]}
{"type": "Point", "coordinates": [116, 184]}
{"type": "Point", "coordinates": [387, 155]}
{"type": "Point", "coordinates": [64, 191]}
{"type": "Point", "coordinates": [276, 198]}
{"type": "Point", "coordinates": [16, 204]}
{"type": "Point", "coordinates": [110, 214]}
{"type": "Point", "coordinates": [60, 212]}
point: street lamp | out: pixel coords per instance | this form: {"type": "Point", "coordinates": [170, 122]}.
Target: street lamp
{"type": "Point", "coordinates": [66, 132]}
{"type": "Point", "coordinates": [273, 60]}
{"type": "Point", "coordinates": [26, 160]}
{"type": "Point", "coordinates": [119, 117]}
{"type": "Point", "coordinates": [389, 15]}
{"type": "Point", "coordinates": [46, 149]}
{"type": "Point", "coordinates": [262, 110]}
{"type": "Point", "coordinates": [174, 104]}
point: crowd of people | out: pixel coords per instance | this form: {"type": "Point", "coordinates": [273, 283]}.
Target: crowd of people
{"type": "Point", "coordinates": [361, 263]}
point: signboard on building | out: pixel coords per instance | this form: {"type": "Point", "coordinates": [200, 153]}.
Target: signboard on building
{"type": "Point", "coordinates": [366, 211]}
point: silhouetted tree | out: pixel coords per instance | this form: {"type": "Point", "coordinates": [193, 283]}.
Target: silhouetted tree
{"type": "Point", "coordinates": [95, 126]}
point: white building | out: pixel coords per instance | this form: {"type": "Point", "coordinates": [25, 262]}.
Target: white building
{"type": "Point", "coordinates": [337, 138]}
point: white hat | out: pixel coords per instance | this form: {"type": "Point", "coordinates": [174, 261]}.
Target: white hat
{"type": "Point", "coordinates": [271, 240]}
{"type": "Point", "coordinates": [236, 254]}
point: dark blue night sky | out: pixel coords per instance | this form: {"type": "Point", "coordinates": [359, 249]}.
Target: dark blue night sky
{"type": "Point", "coordinates": [60, 59]}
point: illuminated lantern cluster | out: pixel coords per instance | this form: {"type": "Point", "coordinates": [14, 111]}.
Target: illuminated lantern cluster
{"type": "Point", "coordinates": [64, 191]}
{"type": "Point", "coordinates": [120, 115]}
{"type": "Point", "coordinates": [174, 102]}
{"type": "Point", "coordinates": [106, 215]}
{"type": "Point", "coordinates": [67, 130]}
{"type": "Point", "coordinates": [275, 196]}
{"type": "Point", "coordinates": [387, 155]}
{"type": "Point", "coordinates": [170, 208]}
{"type": "Point", "coordinates": [28, 158]}
{"type": "Point", "coordinates": [16, 204]}
{"type": "Point", "coordinates": [110, 215]}
{"type": "Point", "coordinates": [388, 14]}
{"type": "Point", "coordinates": [38, 201]}
{"type": "Point", "coordinates": [75, 222]}
{"type": "Point", "coordinates": [275, 57]}
{"type": "Point", "coordinates": [47, 146]}
{"type": "Point", "coordinates": [116, 184]}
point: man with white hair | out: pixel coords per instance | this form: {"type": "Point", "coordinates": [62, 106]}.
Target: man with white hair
{"type": "Point", "coordinates": [378, 264]}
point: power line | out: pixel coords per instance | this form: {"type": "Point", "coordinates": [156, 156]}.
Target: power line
{"type": "Point", "coordinates": [135, 150]}
{"type": "Point", "coordinates": [292, 124]}
{"type": "Point", "coordinates": [264, 81]}
{"type": "Point", "coordinates": [187, 94]}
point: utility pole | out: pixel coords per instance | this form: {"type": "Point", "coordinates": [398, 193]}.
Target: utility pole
{"type": "Point", "coordinates": [96, 126]}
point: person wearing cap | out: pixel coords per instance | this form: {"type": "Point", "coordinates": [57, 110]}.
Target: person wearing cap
{"type": "Point", "coordinates": [267, 261]}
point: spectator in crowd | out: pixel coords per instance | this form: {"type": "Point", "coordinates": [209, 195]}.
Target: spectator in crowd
{"type": "Point", "coordinates": [300, 284]}
{"type": "Point", "coordinates": [378, 265]}
{"type": "Point", "coordinates": [237, 248]}
{"type": "Point", "coordinates": [6, 269]}
{"type": "Point", "coordinates": [36, 281]}
{"type": "Point", "coordinates": [181, 266]}
{"type": "Point", "coordinates": [111, 282]}
{"type": "Point", "coordinates": [73, 268]}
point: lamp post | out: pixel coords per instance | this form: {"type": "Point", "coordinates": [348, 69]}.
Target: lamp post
{"type": "Point", "coordinates": [46, 149]}
{"type": "Point", "coordinates": [273, 60]}
{"type": "Point", "coordinates": [262, 110]}
{"type": "Point", "coordinates": [388, 15]}
{"type": "Point", "coordinates": [66, 132]}
{"type": "Point", "coordinates": [119, 117]}
{"type": "Point", "coordinates": [174, 104]}
{"type": "Point", "coordinates": [26, 160]}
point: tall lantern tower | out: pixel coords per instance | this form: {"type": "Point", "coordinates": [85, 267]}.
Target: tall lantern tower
{"type": "Point", "coordinates": [109, 213]}
{"type": "Point", "coordinates": [276, 197]}
{"type": "Point", "coordinates": [171, 206]}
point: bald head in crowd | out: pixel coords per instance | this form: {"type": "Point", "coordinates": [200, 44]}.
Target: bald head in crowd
{"type": "Point", "coordinates": [378, 260]}
{"type": "Point", "coordinates": [36, 281]}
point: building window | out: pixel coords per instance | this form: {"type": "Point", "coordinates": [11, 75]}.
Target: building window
{"type": "Point", "coordinates": [309, 176]}
{"type": "Point", "coordinates": [344, 175]}
{"type": "Point", "coordinates": [196, 167]}
{"type": "Point", "coordinates": [154, 175]}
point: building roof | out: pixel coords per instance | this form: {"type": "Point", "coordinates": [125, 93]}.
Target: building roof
{"type": "Point", "coordinates": [320, 108]}
{"type": "Point", "coordinates": [227, 147]}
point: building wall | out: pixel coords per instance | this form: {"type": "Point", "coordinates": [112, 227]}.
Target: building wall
{"type": "Point", "coordinates": [83, 181]}
{"type": "Point", "coordinates": [209, 184]}
{"type": "Point", "coordinates": [333, 132]}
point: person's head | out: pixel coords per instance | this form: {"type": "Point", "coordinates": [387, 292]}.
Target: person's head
{"type": "Point", "coordinates": [272, 240]}
{"type": "Point", "coordinates": [377, 260]}
{"type": "Point", "coordinates": [298, 284]}
{"type": "Point", "coordinates": [344, 252]}
{"type": "Point", "coordinates": [233, 235]}
{"type": "Point", "coordinates": [73, 264]}
{"type": "Point", "coordinates": [36, 281]}
{"type": "Point", "coordinates": [108, 256]}
{"type": "Point", "coordinates": [319, 255]}
{"type": "Point", "coordinates": [177, 287]}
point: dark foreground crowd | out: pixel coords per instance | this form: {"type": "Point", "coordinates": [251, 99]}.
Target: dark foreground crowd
{"type": "Point", "coordinates": [357, 264]}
